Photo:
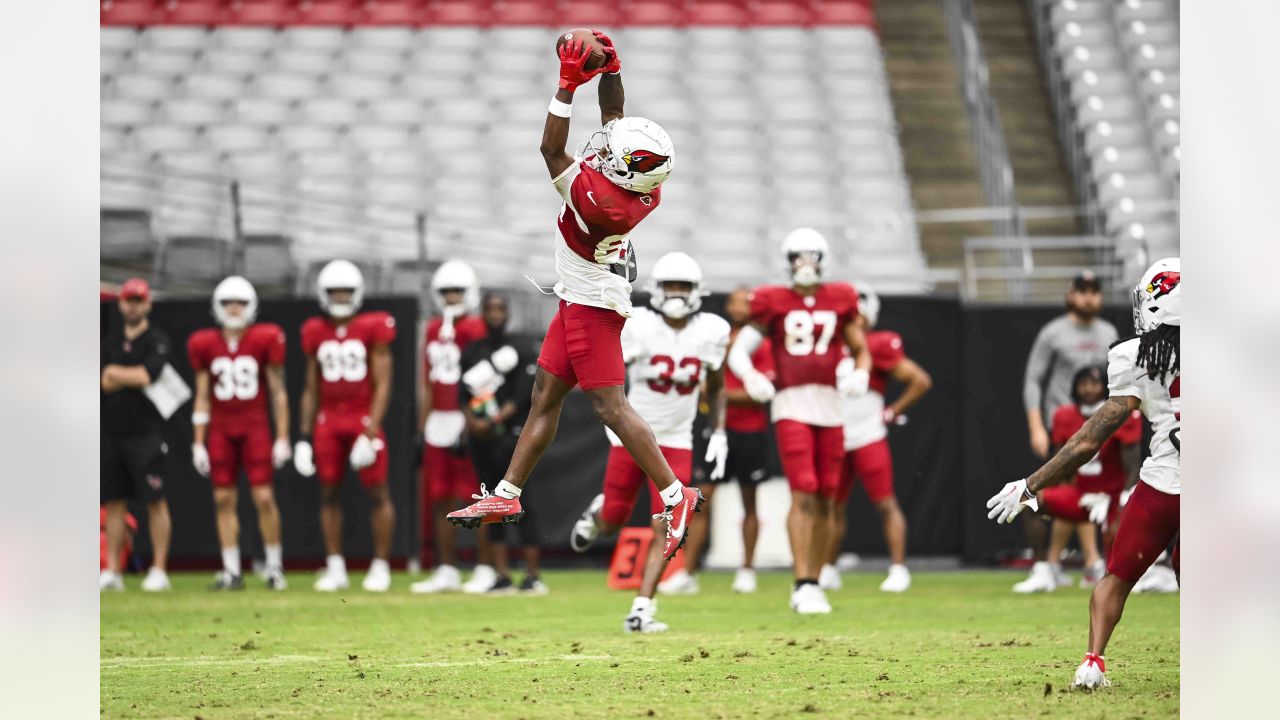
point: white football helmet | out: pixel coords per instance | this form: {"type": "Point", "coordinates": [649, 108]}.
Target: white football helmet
{"type": "Point", "coordinates": [868, 304]}
{"type": "Point", "coordinates": [805, 248]}
{"type": "Point", "coordinates": [455, 274]}
{"type": "Point", "coordinates": [634, 153]}
{"type": "Point", "coordinates": [232, 289]}
{"type": "Point", "coordinates": [676, 267]}
{"type": "Point", "coordinates": [1157, 298]}
{"type": "Point", "coordinates": [340, 275]}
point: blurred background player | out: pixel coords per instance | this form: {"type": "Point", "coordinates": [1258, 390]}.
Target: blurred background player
{"type": "Point", "coordinates": [808, 323]}
{"type": "Point", "coordinates": [133, 447]}
{"type": "Point", "coordinates": [606, 194]}
{"type": "Point", "coordinates": [230, 424]}
{"type": "Point", "coordinates": [1144, 374]}
{"type": "Point", "coordinates": [447, 472]}
{"type": "Point", "coordinates": [746, 424]}
{"type": "Point", "coordinates": [348, 378]}
{"type": "Point", "coordinates": [1094, 496]}
{"type": "Point", "coordinates": [497, 379]}
{"type": "Point", "coordinates": [867, 459]}
{"type": "Point", "coordinates": [668, 354]}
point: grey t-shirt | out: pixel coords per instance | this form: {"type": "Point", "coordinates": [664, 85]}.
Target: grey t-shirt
{"type": "Point", "coordinates": [1062, 348]}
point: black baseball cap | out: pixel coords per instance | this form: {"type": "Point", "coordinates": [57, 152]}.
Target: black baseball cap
{"type": "Point", "coordinates": [1086, 281]}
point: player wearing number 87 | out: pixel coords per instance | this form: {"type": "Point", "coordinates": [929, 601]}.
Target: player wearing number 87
{"type": "Point", "coordinates": [348, 385]}
{"type": "Point", "coordinates": [807, 324]}
{"type": "Point", "coordinates": [236, 368]}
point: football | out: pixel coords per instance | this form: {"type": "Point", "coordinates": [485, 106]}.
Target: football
{"type": "Point", "coordinates": [585, 36]}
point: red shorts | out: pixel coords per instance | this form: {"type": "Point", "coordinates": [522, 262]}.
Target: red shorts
{"type": "Point", "coordinates": [623, 478]}
{"type": "Point", "coordinates": [583, 346]}
{"type": "Point", "coordinates": [1149, 523]}
{"type": "Point", "coordinates": [1063, 502]}
{"type": "Point", "coordinates": [235, 446]}
{"type": "Point", "coordinates": [873, 465]}
{"type": "Point", "coordinates": [811, 456]}
{"type": "Point", "coordinates": [334, 436]}
{"type": "Point", "coordinates": [447, 475]}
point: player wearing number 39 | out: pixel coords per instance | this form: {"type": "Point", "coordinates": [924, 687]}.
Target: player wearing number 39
{"type": "Point", "coordinates": [668, 353]}
{"type": "Point", "coordinates": [236, 368]}
{"type": "Point", "coordinates": [1144, 374]}
{"type": "Point", "coordinates": [806, 323]}
{"type": "Point", "coordinates": [349, 378]}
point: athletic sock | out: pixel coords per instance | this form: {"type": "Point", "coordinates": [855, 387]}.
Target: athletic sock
{"type": "Point", "coordinates": [275, 556]}
{"type": "Point", "coordinates": [507, 490]}
{"type": "Point", "coordinates": [805, 581]}
{"type": "Point", "coordinates": [336, 564]}
{"type": "Point", "coordinates": [641, 604]}
{"type": "Point", "coordinates": [672, 494]}
{"type": "Point", "coordinates": [231, 559]}
{"type": "Point", "coordinates": [379, 566]}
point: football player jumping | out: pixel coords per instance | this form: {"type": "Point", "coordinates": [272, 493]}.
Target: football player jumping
{"type": "Point", "coordinates": [807, 324]}
{"type": "Point", "coordinates": [1144, 374]}
{"type": "Point", "coordinates": [668, 353]}
{"type": "Point", "coordinates": [606, 194]}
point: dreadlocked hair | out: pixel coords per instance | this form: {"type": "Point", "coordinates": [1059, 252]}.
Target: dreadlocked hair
{"type": "Point", "coordinates": [1158, 351]}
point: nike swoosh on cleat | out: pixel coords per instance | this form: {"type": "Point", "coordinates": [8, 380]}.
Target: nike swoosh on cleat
{"type": "Point", "coordinates": [684, 520]}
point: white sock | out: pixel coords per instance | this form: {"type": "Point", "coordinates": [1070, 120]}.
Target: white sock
{"type": "Point", "coordinates": [231, 559]}
{"type": "Point", "coordinates": [336, 564]}
{"type": "Point", "coordinates": [641, 604]}
{"type": "Point", "coordinates": [275, 556]}
{"type": "Point", "coordinates": [379, 566]}
{"type": "Point", "coordinates": [507, 490]}
{"type": "Point", "coordinates": [899, 567]}
{"type": "Point", "coordinates": [672, 494]}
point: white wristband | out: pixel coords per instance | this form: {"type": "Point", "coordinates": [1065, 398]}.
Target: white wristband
{"type": "Point", "coordinates": [199, 418]}
{"type": "Point", "coordinates": [560, 109]}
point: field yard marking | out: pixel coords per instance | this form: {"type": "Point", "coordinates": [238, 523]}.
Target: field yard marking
{"type": "Point", "coordinates": [200, 661]}
{"type": "Point", "coordinates": [500, 660]}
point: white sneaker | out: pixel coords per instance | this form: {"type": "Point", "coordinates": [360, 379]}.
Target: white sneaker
{"type": "Point", "coordinates": [744, 581]}
{"type": "Point", "coordinates": [157, 580]}
{"type": "Point", "coordinates": [585, 530]}
{"type": "Point", "coordinates": [483, 578]}
{"type": "Point", "coordinates": [641, 621]}
{"type": "Point", "coordinates": [446, 578]}
{"type": "Point", "coordinates": [809, 599]}
{"type": "Point", "coordinates": [377, 580]}
{"type": "Point", "coordinates": [1157, 579]}
{"type": "Point", "coordinates": [1040, 580]}
{"type": "Point", "coordinates": [110, 582]}
{"type": "Point", "coordinates": [1091, 674]}
{"type": "Point", "coordinates": [680, 583]}
{"type": "Point", "coordinates": [330, 581]}
{"type": "Point", "coordinates": [829, 578]}
{"type": "Point", "coordinates": [847, 562]}
{"type": "Point", "coordinates": [275, 579]}
{"type": "Point", "coordinates": [899, 580]}
{"type": "Point", "coordinates": [1060, 577]}
{"type": "Point", "coordinates": [1093, 573]}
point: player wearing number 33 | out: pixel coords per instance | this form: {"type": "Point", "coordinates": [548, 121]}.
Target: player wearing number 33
{"type": "Point", "coordinates": [806, 323]}
{"type": "Point", "coordinates": [348, 385]}
{"type": "Point", "coordinates": [668, 353]}
{"type": "Point", "coordinates": [237, 367]}
{"type": "Point", "coordinates": [1144, 374]}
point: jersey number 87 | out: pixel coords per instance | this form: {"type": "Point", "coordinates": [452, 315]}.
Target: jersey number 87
{"type": "Point", "coordinates": [809, 332]}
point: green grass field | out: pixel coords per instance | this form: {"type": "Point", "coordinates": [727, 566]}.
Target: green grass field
{"type": "Point", "coordinates": [957, 645]}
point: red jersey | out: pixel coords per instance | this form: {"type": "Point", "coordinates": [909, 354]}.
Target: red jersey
{"type": "Point", "coordinates": [601, 213]}
{"type": "Point", "coordinates": [1105, 472]}
{"type": "Point", "coordinates": [754, 417]}
{"type": "Point", "coordinates": [886, 353]}
{"type": "Point", "coordinates": [342, 351]}
{"type": "Point", "coordinates": [237, 371]}
{"type": "Point", "coordinates": [442, 357]}
{"type": "Point", "coordinates": [807, 332]}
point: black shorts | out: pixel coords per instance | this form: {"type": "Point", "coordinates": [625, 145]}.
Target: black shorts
{"type": "Point", "coordinates": [132, 466]}
{"type": "Point", "coordinates": [748, 461]}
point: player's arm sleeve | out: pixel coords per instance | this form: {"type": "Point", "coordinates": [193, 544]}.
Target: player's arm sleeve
{"type": "Point", "coordinates": [761, 308]}
{"type": "Point", "coordinates": [1037, 368]}
{"type": "Point", "coordinates": [309, 343]}
{"type": "Point", "coordinates": [744, 346]}
{"type": "Point", "coordinates": [159, 356]}
{"type": "Point", "coordinates": [195, 358]}
{"type": "Point", "coordinates": [384, 330]}
{"type": "Point", "coordinates": [1122, 369]}
{"type": "Point", "coordinates": [886, 355]}
{"type": "Point", "coordinates": [275, 348]}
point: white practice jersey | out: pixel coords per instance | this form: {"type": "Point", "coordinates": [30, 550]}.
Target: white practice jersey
{"type": "Point", "coordinates": [665, 367]}
{"type": "Point", "coordinates": [1162, 404]}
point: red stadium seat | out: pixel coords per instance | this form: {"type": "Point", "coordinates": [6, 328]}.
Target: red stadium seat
{"type": "Point", "coordinates": [327, 12]}
{"type": "Point", "coordinates": [524, 12]}
{"type": "Point", "coordinates": [588, 13]}
{"type": "Point", "coordinates": [130, 12]}
{"type": "Point", "coordinates": [273, 13]}
{"type": "Point", "coordinates": [716, 12]}
{"type": "Point", "coordinates": [458, 12]}
{"type": "Point", "coordinates": [780, 12]}
{"type": "Point", "coordinates": [652, 12]}
{"type": "Point", "coordinates": [395, 12]}
{"type": "Point", "coordinates": [843, 12]}
{"type": "Point", "coordinates": [197, 12]}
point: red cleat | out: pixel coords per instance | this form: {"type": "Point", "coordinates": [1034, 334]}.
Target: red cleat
{"type": "Point", "coordinates": [677, 517]}
{"type": "Point", "coordinates": [490, 509]}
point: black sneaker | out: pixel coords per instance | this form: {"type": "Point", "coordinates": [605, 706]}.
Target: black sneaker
{"type": "Point", "coordinates": [533, 585]}
{"type": "Point", "coordinates": [226, 581]}
{"type": "Point", "coordinates": [502, 586]}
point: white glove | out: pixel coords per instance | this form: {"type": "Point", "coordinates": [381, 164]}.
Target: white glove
{"type": "Point", "coordinates": [1124, 496]}
{"type": "Point", "coordinates": [1006, 504]}
{"type": "Point", "coordinates": [364, 451]}
{"type": "Point", "coordinates": [718, 453]}
{"type": "Point", "coordinates": [504, 359]}
{"type": "Point", "coordinates": [1099, 506]}
{"type": "Point", "coordinates": [200, 458]}
{"type": "Point", "coordinates": [758, 386]}
{"type": "Point", "coordinates": [482, 378]}
{"type": "Point", "coordinates": [303, 459]}
{"type": "Point", "coordinates": [854, 384]}
{"type": "Point", "coordinates": [281, 452]}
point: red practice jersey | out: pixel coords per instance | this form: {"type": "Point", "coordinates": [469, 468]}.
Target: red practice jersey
{"type": "Point", "coordinates": [807, 332]}
{"type": "Point", "coordinates": [1105, 472]}
{"type": "Point", "coordinates": [749, 418]}
{"type": "Point", "coordinates": [342, 351]}
{"type": "Point", "coordinates": [598, 214]}
{"type": "Point", "coordinates": [237, 372]}
{"type": "Point", "coordinates": [886, 353]}
{"type": "Point", "coordinates": [442, 357]}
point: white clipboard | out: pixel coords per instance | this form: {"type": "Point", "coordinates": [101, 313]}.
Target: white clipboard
{"type": "Point", "coordinates": [168, 392]}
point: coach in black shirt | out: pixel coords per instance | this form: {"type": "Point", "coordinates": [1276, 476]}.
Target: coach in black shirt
{"type": "Point", "coordinates": [133, 449]}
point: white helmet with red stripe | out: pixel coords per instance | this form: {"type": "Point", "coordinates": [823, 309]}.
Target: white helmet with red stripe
{"type": "Point", "coordinates": [634, 153]}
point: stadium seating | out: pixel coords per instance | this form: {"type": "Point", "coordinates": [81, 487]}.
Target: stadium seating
{"type": "Point", "coordinates": [341, 120]}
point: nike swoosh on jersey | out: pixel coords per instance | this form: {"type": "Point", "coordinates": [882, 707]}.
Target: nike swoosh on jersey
{"type": "Point", "coordinates": [592, 198]}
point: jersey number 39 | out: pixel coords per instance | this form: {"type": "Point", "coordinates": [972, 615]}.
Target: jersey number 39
{"type": "Point", "coordinates": [808, 332]}
{"type": "Point", "coordinates": [237, 378]}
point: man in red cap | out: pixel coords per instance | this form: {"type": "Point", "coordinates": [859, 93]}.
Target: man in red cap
{"type": "Point", "coordinates": [133, 448]}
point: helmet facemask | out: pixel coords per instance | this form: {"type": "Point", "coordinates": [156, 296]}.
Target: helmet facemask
{"type": "Point", "coordinates": [341, 308]}
{"type": "Point", "coordinates": [231, 292]}
{"type": "Point", "coordinates": [677, 299]}
{"type": "Point", "coordinates": [806, 267]}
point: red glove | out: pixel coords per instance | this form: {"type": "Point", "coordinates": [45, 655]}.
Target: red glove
{"type": "Point", "coordinates": [573, 56]}
{"type": "Point", "coordinates": [611, 62]}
